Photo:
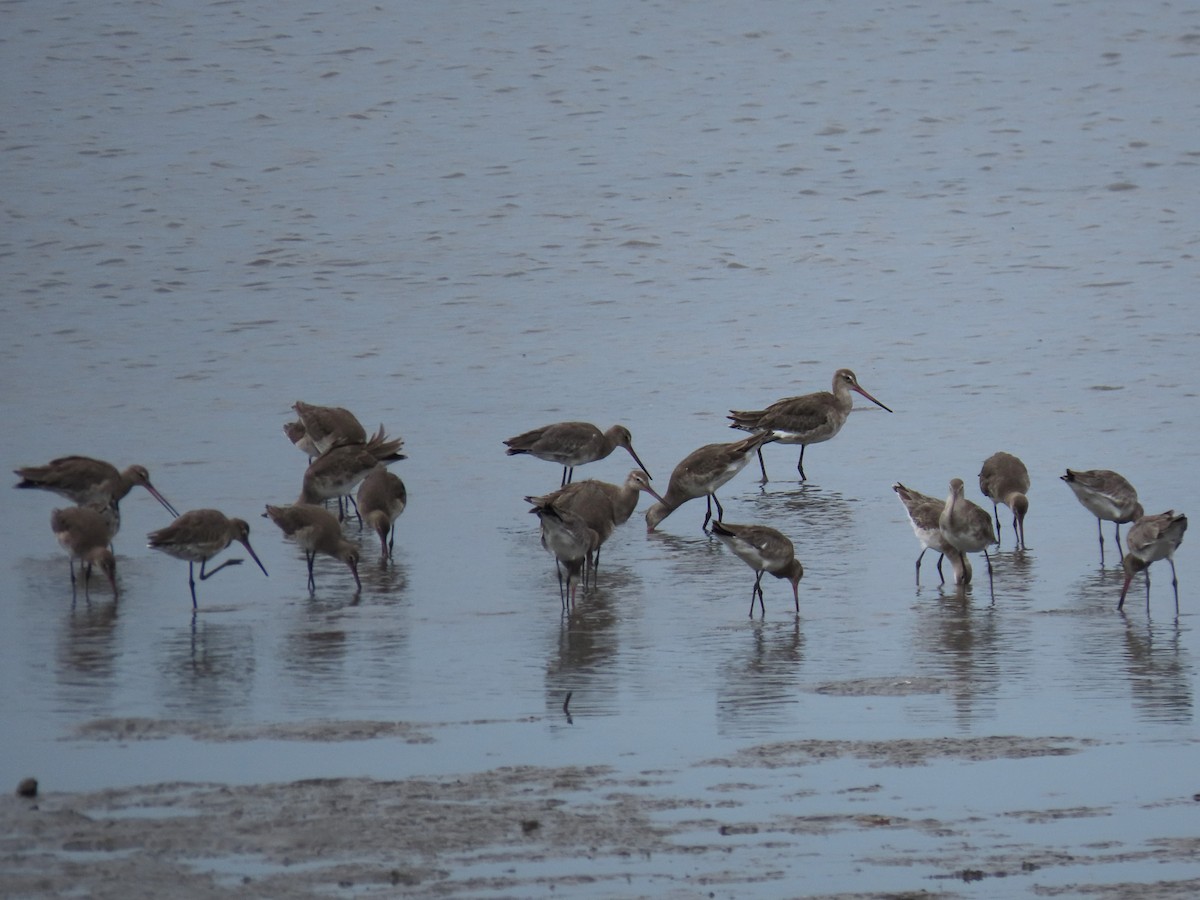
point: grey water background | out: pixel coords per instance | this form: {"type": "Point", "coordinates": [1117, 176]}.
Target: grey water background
{"type": "Point", "coordinates": [463, 220]}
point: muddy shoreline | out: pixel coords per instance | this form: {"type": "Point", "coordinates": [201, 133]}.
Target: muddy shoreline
{"type": "Point", "coordinates": [520, 831]}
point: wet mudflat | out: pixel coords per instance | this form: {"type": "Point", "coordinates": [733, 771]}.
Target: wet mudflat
{"type": "Point", "coordinates": [469, 221]}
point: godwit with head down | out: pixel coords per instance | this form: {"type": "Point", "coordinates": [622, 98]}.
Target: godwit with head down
{"type": "Point", "coordinates": [89, 482]}
{"type": "Point", "coordinates": [199, 535]}
{"type": "Point", "coordinates": [316, 530]}
{"type": "Point", "coordinates": [700, 473]}
{"type": "Point", "coordinates": [570, 539]}
{"type": "Point", "coordinates": [1108, 497]}
{"type": "Point", "coordinates": [381, 499]}
{"type": "Point", "coordinates": [572, 444]}
{"type": "Point", "coordinates": [966, 526]}
{"type": "Point", "coordinates": [764, 550]}
{"type": "Point", "coordinates": [807, 419]}
{"type": "Point", "coordinates": [602, 506]}
{"type": "Point", "coordinates": [1004, 479]}
{"type": "Point", "coordinates": [924, 513]}
{"type": "Point", "coordinates": [1150, 539]}
{"type": "Point", "coordinates": [83, 532]}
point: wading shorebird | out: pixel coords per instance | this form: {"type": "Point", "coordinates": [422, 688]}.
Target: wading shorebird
{"type": "Point", "coordinates": [1150, 539]}
{"type": "Point", "coordinates": [700, 473]}
{"type": "Point", "coordinates": [807, 419]}
{"type": "Point", "coordinates": [764, 550]}
{"type": "Point", "coordinates": [316, 530]}
{"type": "Point", "coordinates": [326, 427]}
{"type": "Point", "coordinates": [83, 532]}
{"type": "Point", "coordinates": [1108, 497]}
{"type": "Point", "coordinates": [381, 499]}
{"type": "Point", "coordinates": [197, 536]}
{"type": "Point", "coordinates": [603, 506]}
{"type": "Point", "coordinates": [339, 470]}
{"type": "Point", "coordinates": [1004, 479]}
{"type": "Point", "coordinates": [572, 444]}
{"type": "Point", "coordinates": [966, 526]}
{"type": "Point", "coordinates": [89, 482]}
{"type": "Point", "coordinates": [570, 539]}
{"type": "Point", "coordinates": [924, 512]}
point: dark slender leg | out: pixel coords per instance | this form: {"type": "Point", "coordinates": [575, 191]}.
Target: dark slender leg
{"type": "Point", "coordinates": [192, 580]}
{"type": "Point", "coordinates": [205, 576]}
{"type": "Point", "coordinates": [720, 510]}
{"type": "Point", "coordinates": [758, 588]}
{"type": "Point", "coordinates": [996, 512]}
{"type": "Point", "coordinates": [1117, 532]}
{"type": "Point", "coordinates": [707, 513]}
{"type": "Point", "coordinates": [354, 504]}
{"type": "Point", "coordinates": [309, 556]}
{"type": "Point", "coordinates": [800, 464]}
{"type": "Point", "coordinates": [1175, 585]}
{"type": "Point", "coordinates": [762, 465]}
{"type": "Point", "coordinates": [1100, 531]}
{"type": "Point", "coordinates": [941, 556]}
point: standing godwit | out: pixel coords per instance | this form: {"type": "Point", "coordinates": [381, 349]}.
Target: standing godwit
{"type": "Point", "coordinates": [83, 532]}
{"type": "Point", "coordinates": [924, 512]}
{"type": "Point", "coordinates": [199, 535]}
{"type": "Point", "coordinates": [602, 506]}
{"type": "Point", "coordinates": [89, 482]}
{"type": "Point", "coordinates": [966, 526]}
{"type": "Point", "coordinates": [807, 419]}
{"type": "Point", "coordinates": [572, 444]}
{"type": "Point", "coordinates": [764, 550]}
{"type": "Point", "coordinates": [1108, 497]}
{"type": "Point", "coordinates": [381, 499]}
{"type": "Point", "coordinates": [570, 539]}
{"type": "Point", "coordinates": [1150, 539]}
{"type": "Point", "coordinates": [328, 426]}
{"type": "Point", "coordinates": [1004, 479]}
{"type": "Point", "coordinates": [339, 470]}
{"type": "Point", "coordinates": [316, 530]}
{"type": "Point", "coordinates": [700, 473]}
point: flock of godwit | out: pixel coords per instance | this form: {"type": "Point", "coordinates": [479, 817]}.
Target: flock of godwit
{"type": "Point", "coordinates": [342, 457]}
{"type": "Point", "coordinates": [578, 517]}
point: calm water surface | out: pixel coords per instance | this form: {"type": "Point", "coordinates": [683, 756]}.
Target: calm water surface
{"type": "Point", "coordinates": [473, 219]}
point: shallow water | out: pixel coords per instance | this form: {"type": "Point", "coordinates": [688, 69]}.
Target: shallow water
{"type": "Point", "coordinates": [469, 220]}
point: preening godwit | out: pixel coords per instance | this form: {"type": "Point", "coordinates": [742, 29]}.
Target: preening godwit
{"type": "Point", "coordinates": [316, 530]}
{"type": "Point", "coordinates": [570, 539]}
{"type": "Point", "coordinates": [924, 513]}
{"type": "Point", "coordinates": [339, 470]}
{"type": "Point", "coordinates": [603, 506]}
{"type": "Point", "coordinates": [83, 532]}
{"type": "Point", "coordinates": [199, 535]}
{"type": "Point", "coordinates": [1150, 539]}
{"type": "Point", "coordinates": [1108, 497]}
{"type": "Point", "coordinates": [1004, 479]}
{"type": "Point", "coordinates": [807, 419]}
{"type": "Point", "coordinates": [700, 473]}
{"type": "Point", "coordinates": [966, 526]}
{"type": "Point", "coordinates": [381, 499]}
{"type": "Point", "coordinates": [764, 550]}
{"type": "Point", "coordinates": [89, 482]}
{"type": "Point", "coordinates": [572, 444]}
{"type": "Point", "coordinates": [327, 426]}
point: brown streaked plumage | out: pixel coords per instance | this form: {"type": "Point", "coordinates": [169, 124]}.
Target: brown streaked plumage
{"type": "Point", "coordinates": [1150, 539]}
{"type": "Point", "coordinates": [197, 536]}
{"type": "Point", "coordinates": [572, 444]}
{"type": "Point", "coordinates": [89, 482]}
{"type": "Point", "coordinates": [764, 550]}
{"type": "Point", "coordinates": [381, 499]}
{"type": "Point", "coordinates": [924, 512]}
{"type": "Point", "coordinates": [316, 530]}
{"type": "Point", "coordinates": [807, 419]}
{"type": "Point", "coordinates": [1108, 497]}
{"type": "Point", "coordinates": [700, 473]}
{"type": "Point", "coordinates": [966, 526]}
{"type": "Point", "coordinates": [1004, 479]}
{"type": "Point", "coordinates": [83, 532]}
